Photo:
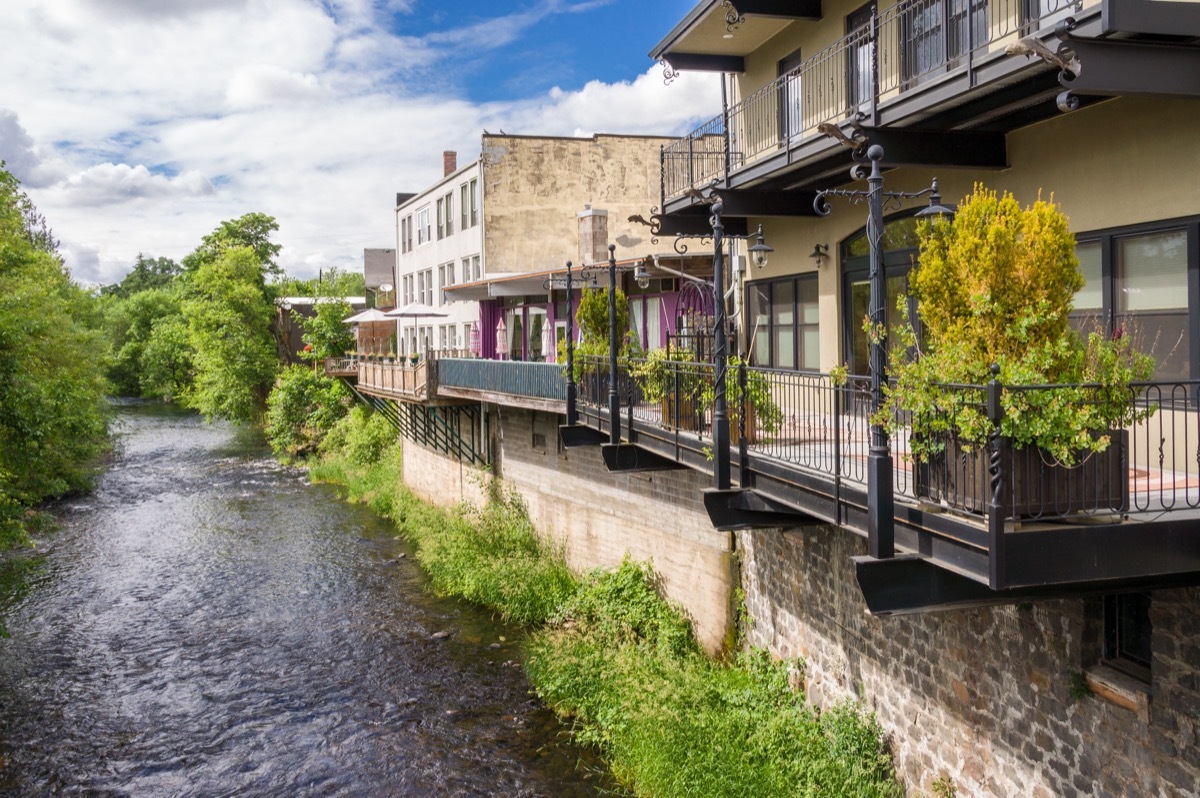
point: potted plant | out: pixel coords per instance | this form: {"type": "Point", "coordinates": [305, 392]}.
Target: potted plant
{"type": "Point", "coordinates": [762, 413]}
{"type": "Point", "coordinates": [672, 379]}
{"type": "Point", "coordinates": [994, 288]}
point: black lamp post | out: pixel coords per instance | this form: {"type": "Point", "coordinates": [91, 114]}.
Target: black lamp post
{"type": "Point", "coordinates": [571, 413]}
{"type": "Point", "coordinates": [881, 533]}
{"type": "Point", "coordinates": [614, 401]}
{"type": "Point", "coordinates": [758, 253]}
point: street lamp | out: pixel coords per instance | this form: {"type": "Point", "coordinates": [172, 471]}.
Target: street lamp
{"type": "Point", "coordinates": [881, 533]}
{"type": "Point", "coordinates": [758, 254]}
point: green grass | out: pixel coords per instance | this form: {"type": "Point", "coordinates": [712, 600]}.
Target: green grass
{"type": "Point", "coordinates": [609, 653]}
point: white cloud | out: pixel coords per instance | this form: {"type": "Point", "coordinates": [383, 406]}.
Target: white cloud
{"type": "Point", "coordinates": [138, 130]}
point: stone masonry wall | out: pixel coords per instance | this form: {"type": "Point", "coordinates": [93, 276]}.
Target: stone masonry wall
{"type": "Point", "coordinates": [599, 517]}
{"type": "Point", "coordinates": [980, 697]}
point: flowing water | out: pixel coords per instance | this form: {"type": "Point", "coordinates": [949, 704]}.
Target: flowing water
{"type": "Point", "coordinates": [208, 623]}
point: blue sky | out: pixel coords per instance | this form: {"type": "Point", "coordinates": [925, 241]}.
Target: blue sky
{"type": "Point", "coordinates": [139, 125]}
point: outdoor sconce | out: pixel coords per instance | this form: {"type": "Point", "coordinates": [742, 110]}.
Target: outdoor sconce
{"type": "Point", "coordinates": [935, 210]}
{"type": "Point", "coordinates": [642, 276]}
{"type": "Point", "coordinates": [759, 250]}
{"type": "Point", "coordinates": [820, 254]}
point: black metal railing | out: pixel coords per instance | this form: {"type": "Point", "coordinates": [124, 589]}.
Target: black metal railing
{"type": "Point", "coordinates": [906, 46]}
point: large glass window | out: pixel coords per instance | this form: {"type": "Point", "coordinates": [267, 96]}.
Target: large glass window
{"type": "Point", "coordinates": [783, 319]}
{"type": "Point", "coordinates": [1138, 285]}
{"type": "Point", "coordinates": [938, 33]}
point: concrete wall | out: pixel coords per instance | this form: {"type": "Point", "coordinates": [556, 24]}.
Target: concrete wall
{"type": "Point", "coordinates": [981, 697]}
{"type": "Point", "coordinates": [600, 518]}
{"type": "Point", "coordinates": [534, 187]}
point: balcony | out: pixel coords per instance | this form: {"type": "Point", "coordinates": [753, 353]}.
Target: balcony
{"type": "Point", "coordinates": [913, 65]}
{"type": "Point", "coordinates": [973, 528]}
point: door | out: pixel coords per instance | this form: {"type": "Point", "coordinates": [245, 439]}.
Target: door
{"type": "Point", "coordinates": [791, 109]}
{"type": "Point", "coordinates": [860, 52]}
{"type": "Point", "coordinates": [899, 242]}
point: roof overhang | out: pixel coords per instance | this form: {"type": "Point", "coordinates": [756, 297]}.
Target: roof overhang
{"type": "Point", "coordinates": [717, 36]}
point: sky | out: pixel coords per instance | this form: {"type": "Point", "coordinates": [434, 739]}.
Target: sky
{"type": "Point", "coordinates": [137, 126]}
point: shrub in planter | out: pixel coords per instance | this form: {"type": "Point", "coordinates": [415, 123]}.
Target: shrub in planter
{"type": "Point", "coordinates": [672, 379]}
{"type": "Point", "coordinates": [995, 286]}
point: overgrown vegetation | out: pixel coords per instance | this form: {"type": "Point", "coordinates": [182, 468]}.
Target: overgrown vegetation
{"type": "Point", "coordinates": [610, 653]}
{"type": "Point", "coordinates": [53, 417]}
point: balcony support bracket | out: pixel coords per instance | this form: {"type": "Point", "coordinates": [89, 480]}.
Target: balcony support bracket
{"type": "Point", "coordinates": [748, 509]}
{"type": "Point", "coordinates": [629, 457]}
{"type": "Point", "coordinates": [576, 435]}
{"type": "Point", "coordinates": [1122, 68]}
{"type": "Point", "coordinates": [953, 148]}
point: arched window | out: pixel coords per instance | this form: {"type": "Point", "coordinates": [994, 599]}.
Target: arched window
{"type": "Point", "coordinates": [899, 243]}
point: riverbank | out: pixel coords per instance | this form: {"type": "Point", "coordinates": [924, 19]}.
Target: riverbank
{"type": "Point", "coordinates": [609, 653]}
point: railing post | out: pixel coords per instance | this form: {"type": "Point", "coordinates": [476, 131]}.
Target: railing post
{"type": "Point", "coordinates": [743, 444]}
{"type": "Point", "coordinates": [997, 576]}
{"type": "Point", "coordinates": [662, 191]}
{"type": "Point", "coordinates": [572, 413]}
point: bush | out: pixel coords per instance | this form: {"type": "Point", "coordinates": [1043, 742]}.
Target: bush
{"type": "Point", "coordinates": [362, 436]}
{"type": "Point", "coordinates": [302, 409]}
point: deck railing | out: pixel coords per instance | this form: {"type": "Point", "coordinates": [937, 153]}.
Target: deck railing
{"type": "Point", "coordinates": [905, 47]}
{"type": "Point", "coordinates": [805, 420]}
{"type": "Point", "coordinates": [516, 378]}
{"type": "Point", "coordinates": [399, 379]}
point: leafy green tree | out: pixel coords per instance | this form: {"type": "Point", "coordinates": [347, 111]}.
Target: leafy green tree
{"type": "Point", "coordinates": [166, 362]}
{"type": "Point", "coordinates": [229, 327]}
{"type": "Point", "coordinates": [253, 231]}
{"type": "Point", "coordinates": [129, 324]}
{"type": "Point", "coordinates": [325, 332]}
{"type": "Point", "coordinates": [147, 274]}
{"type": "Point", "coordinates": [53, 423]}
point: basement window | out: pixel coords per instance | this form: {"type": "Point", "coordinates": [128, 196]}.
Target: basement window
{"type": "Point", "coordinates": [1127, 634]}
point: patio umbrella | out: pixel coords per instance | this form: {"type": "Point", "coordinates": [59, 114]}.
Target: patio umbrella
{"type": "Point", "coordinates": [476, 342]}
{"type": "Point", "coordinates": [368, 315]}
{"type": "Point", "coordinates": [548, 343]}
{"type": "Point", "coordinates": [414, 311]}
{"type": "Point", "coordinates": [501, 340]}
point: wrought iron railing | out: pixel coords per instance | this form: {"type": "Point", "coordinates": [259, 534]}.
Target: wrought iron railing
{"type": "Point", "coordinates": [905, 47]}
{"type": "Point", "coordinates": [516, 378]}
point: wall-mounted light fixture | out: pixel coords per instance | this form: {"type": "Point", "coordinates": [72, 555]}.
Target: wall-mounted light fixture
{"type": "Point", "coordinates": [759, 249]}
{"type": "Point", "coordinates": [820, 254]}
{"type": "Point", "coordinates": [642, 276]}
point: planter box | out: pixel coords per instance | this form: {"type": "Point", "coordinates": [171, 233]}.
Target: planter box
{"type": "Point", "coordinates": [689, 418]}
{"type": "Point", "coordinates": [1035, 486]}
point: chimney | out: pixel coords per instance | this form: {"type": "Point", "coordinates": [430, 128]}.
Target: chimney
{"type": "Point", "coordinates": [449, 162]}
{"type": "Point", "coordinates": [593, 235]}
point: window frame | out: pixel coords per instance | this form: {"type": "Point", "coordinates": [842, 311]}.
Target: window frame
{"type": "Point", "coordinates": [1110, 239]}
{"type": "Point", "coordinates": [797, 326]}
{"type": "Point", "coordinates": [1128, 634]}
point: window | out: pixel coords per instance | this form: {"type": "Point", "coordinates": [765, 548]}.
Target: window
{"type": "Point", "coordinates": [938, 33]}
{"type": "Point", "coordinates": [406, 234]}
{"type": "Point", "coordinates": [783, 315]}
{"type": "Point", "coordinates": [441, 219]}
{"type": "Point", "coordinates": [425, 286]}
{"type": "Point", "coordinates": [791, 118]}
{"type": "Point", "coordinates": [424, 230]}
{"type": "Point", "coordinates": [466, 270]}
{"type": "Point", "coordinates": [445, 280]}
{"type": "Point", "coordinates": [474, 198]}
{"type": "Point", "coordinates": [449, 202]}
{"type": "Point", "coordinates": [476, 270]}
{"type": "Point", "coordinates": [1139, 281]}
{"type": "Point", "coordinates": [860, 54]}
{"type": "Point", "coordinates": [464, 206]}
{"type": "Point", "coordinates": [1127, 633]}
{"type": "Point", "coordinates": [408, 289]}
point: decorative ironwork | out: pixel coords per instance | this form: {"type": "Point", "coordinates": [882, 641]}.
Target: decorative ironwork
{"type": "Point", "coordinates": [669, 73]}
{"type": "Point", "coordinates": [654, 223]}
{"type": "Point", "coordinates": [733, 20]}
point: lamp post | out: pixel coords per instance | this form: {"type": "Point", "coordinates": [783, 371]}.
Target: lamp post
{"type": "Point", "coordinates": [881, 533]}
{"type": "Point", "coordinates": [571, 416]}
{"type": "Point", "coordinates": [758, 252]}
{"type": "Point", "coordinates": [614, 401]}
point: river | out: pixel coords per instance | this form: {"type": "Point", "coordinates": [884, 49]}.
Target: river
{"type": "Point", "coordinates": [208, 623]}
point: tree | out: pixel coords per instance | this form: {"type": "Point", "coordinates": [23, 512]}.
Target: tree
{"type": "Point", "coordinates": [253, 231]}
{"type": "Point", "coordinates": [129, 324]}
{"type": "Point", "coordinates": [147, 274]}
{"type": "Point", "coordinates": [229, 327]}
{"type": "Point", "coordinates": [53, 423]}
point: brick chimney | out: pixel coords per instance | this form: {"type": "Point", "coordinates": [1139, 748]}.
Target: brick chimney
{"type": "Point", "coordinates": [593, 235]}
{"type": "Point", "coordinates": [449, 162]}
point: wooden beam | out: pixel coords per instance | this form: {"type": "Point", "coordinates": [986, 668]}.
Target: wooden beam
{"type": "Point", "coordinates": [705, 62]}
{"type": "Point", "coordinates": [779, 9]}
{"type": "Point", "coordinates": [916, 147]}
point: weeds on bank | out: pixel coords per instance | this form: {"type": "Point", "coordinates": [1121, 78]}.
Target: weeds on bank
{"type": "Point", "coordinates": [619, 660]}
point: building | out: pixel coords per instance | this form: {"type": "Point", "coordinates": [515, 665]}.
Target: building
{"type": "Point", "coordinates": [1047, 654]}
{"type": "Point", "coordinates": [512, 211]}
{"type": "Point", "coordinates": [379, 274]}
